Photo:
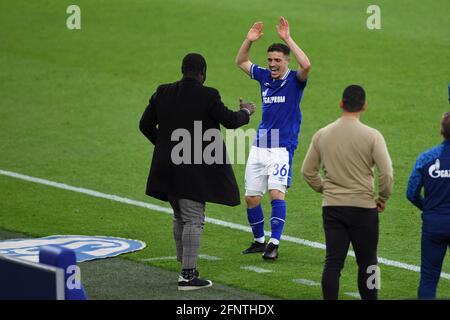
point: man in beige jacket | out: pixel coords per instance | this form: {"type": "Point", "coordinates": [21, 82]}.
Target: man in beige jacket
{"type": "Point", "coordinates": [347, 151]}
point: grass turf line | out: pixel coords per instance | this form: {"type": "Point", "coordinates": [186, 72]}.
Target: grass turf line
{"type": "Point", "coordinates": [71, 100]}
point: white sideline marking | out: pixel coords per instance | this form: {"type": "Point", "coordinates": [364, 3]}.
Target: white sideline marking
{"type": "Point", "coordinates": [207, 257]}
{"type": "Point", "coordinates": [353, 295]}
{"type": "Point", "coordinates": [200, 256]}
{"type": "Point", "coordinates": [255, 269]}
{"type": "Point", "coordinates": [226, 224]}
{"type": "Point", "coordinates": [159, 258]}
{"type": "Point", "coordinates": [306, 282]}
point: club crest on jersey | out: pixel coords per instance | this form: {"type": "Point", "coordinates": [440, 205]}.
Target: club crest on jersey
{"type": "Point", "coordinates": [85, 247]}
{"type": "Point", "coordinates": [435, 172]}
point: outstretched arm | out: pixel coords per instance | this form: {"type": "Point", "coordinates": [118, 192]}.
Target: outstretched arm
{"type": "Point", "coordinates": [228, 118]}
{"type": "Point", "coordinates": [300, 56]}
{"type": "Point", "coordinates": [243, 59]}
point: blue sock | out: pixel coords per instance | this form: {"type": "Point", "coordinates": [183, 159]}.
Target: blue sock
{"type": "Point", "coordinates": [256, 220]}
{"type": "Point", "coordinates": [278, 217]}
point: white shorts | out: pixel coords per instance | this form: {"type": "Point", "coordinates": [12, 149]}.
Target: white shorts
{"type": "Point", "coordinates": [267, 169]}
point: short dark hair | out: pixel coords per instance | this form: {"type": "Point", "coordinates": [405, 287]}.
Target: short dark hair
{"type": "Point", "coordinates": [280, 48]}
{"type": "Point", "coordinates": [353, 98]}
{"type": "Point", "coordinates": [193, 64]}
{"type": "Point", "coordinates": [445, 125]}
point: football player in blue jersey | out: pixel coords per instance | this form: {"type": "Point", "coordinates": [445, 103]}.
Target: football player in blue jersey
{"type": "Point", "coordinates": [431, 173]}
{"type": "Point", "coordinates": [269, 162]}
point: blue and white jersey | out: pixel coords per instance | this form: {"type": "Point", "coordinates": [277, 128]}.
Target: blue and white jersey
{"type": "Point", "coordinates": [432, 173]}
{"type": "Point", "coordinates": [280, 108]}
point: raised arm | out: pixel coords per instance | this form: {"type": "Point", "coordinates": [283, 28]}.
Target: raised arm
{"type": "Point", "coordinates": [300, 56]}
{"type": "Point", "coordinates": [243, 58]}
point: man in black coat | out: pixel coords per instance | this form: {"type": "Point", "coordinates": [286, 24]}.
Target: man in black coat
{"type": "Point", "coordinates": [189, 165]}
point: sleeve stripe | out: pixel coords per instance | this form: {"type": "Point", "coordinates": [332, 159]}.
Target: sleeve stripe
{"type": "Point", "coordinates": [251, 71]}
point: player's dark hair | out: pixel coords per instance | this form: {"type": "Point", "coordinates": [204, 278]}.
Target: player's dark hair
{"type": "Point", "coordinates": [353, 98]}
{"type": "Point", "coordinates": [445, 125]}
{"type": "Point", "coordinates": [193, 64]}
{"type": "Point", "coordinates": [280, 48]}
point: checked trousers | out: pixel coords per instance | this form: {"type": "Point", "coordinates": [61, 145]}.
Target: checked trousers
{"type": "Point", "coordinates": [189, 219]}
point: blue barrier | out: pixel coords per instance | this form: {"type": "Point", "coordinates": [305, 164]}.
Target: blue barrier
{"type": "Point", "coordinates": [65, 259]}
{"type": "Point", "coordinates": [25, 280]}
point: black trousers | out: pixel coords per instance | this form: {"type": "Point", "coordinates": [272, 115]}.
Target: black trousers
{"type": "Point", "coordinates": [345, 225]}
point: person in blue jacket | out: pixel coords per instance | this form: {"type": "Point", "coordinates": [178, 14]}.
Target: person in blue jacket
{"type": "Point", "coordinates": [431, 173]}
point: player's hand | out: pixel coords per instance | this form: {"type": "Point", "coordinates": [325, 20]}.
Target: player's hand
{"type": "Point", "coordinates": [283, 29]}
{"type": "Point", "coordinates": [380, 205]}
{"type": "Point", "coordinates": [249, 106]}
{"type": "Point", "coordinates": [255, 31]}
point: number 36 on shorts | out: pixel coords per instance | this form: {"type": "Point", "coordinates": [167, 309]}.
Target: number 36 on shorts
{"type": "Point", "coordinates": [280, 169]}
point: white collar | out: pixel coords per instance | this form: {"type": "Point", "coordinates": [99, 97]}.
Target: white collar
{"type": "Point", "coordinates": [286, 74]}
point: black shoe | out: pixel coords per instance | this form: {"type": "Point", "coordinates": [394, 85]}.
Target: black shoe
{"type": "Point", "coordinates": [255, 247]}
{"type": "Point", "coordinates": [271, 252]}
{"type": "Point", "coordinates": [193, 284]}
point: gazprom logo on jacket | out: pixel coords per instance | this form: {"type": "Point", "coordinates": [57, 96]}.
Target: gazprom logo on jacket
{"type": "Point", "coordinates": [85, 247]}
{"type": "Point", "coordinates": [435, 171]}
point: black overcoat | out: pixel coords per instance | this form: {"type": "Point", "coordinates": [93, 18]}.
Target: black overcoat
{"type": "Point", "coordinates": [177, 106]}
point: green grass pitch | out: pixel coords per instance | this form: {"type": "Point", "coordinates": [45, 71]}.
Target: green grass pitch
{"type": "Point", "coordinates": [71, 101]}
